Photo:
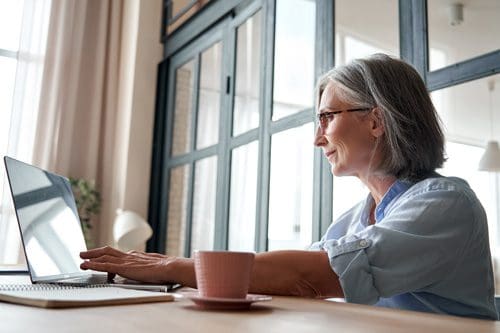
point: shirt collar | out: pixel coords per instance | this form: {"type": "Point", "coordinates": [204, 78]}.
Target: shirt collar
{"type": "Point", "coordinates": [394, 192]}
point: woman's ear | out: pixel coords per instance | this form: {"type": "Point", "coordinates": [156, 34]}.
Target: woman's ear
{"type": "Point", "coordinates": [377, 123]}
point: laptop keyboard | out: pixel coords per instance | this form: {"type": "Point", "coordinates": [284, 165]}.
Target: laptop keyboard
{"type": "Point", "coordinates": [92, 279]}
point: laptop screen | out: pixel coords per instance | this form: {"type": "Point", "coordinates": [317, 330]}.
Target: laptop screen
{"type": "Point", "coordinates": [48, 221]}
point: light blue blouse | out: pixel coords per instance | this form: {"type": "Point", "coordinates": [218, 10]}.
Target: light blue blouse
{"type": "Point", "coordinates": [427, 251]}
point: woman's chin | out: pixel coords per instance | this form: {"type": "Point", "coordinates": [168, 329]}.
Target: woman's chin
{"type": "Point", "coordinates": [338, 171]}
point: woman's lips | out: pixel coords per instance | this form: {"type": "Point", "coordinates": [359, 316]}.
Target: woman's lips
{"type": "Point", "coordinates": [329, 154]}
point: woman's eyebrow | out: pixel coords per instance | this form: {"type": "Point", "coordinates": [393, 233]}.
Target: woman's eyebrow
{"type": "Point", "coordinates": [326, 109]}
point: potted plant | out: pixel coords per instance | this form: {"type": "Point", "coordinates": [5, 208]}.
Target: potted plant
{"type": "Point", "coordinates": [88, 203]}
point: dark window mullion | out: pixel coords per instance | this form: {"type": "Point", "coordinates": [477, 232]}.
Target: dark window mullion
{"type": "Point", "coordinates": [325, 36]}
{"type": "Point", "coordinates": [266, 103]}
{"type": "Point", "coordinates": [473, 69]}
{"type": "Point", "coordinates": [189, 209]}
{"type": "Point", "coordinates": [194, 156]}
{"type": "Point", "coordinates": [160, 234]}
{"type": "Point", "coordinates": [192, 145]}
{"type": "Point", "coordinates": [194, 102]}
{"type": "Point", "coordinates": [244, 138]}
{"type": "Point", "coordinates": [322, 178]}
{"type": "Point", "coordinates": [224, 157]}
{"type": "Point", "coordinates": [413, 34]}
{"type": "Point", "coordinates": [291, 121]}
{"type": "Point", "coordinates": [9, 54]}
{"type": "Point", "coordinates": [158, 185]}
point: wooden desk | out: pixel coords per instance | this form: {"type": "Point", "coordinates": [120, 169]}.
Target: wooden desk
{"type": "Point", "coordinates": [282, 314]}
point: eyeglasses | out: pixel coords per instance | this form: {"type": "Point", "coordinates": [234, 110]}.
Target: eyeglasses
{"type": "Point", "coordinates": [324, 118]}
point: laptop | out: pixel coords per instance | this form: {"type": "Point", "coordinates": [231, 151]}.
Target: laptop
{"type": "Point", "coordinates": [50, 228]}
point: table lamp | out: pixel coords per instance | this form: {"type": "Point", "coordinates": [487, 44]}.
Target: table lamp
{"type": "Point", "coordinates": [130, 231]}
{"type": "Point", "coordinates": [490, 161]}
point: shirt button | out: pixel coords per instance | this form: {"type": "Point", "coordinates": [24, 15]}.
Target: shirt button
{"type": "Point", "coordinates": [363, 243]}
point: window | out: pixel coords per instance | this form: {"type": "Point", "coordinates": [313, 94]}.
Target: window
{"type": "Point", "coordinates": [224, 129]}
{"type": "Point", "coordinates": [271, 188]}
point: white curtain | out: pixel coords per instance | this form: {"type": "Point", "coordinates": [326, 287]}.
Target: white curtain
{"type": "Point", "coordinates": [23, 115]}
{"type": "Point", "coordinates": [65, 110]}
{"type": "Point", "coordinates": [83, 111]}
{"type": "Point", "coordinates": [99, 66]}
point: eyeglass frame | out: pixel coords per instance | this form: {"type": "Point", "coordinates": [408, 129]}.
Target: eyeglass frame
{"type": "Point", "coordinates": [324, 118]}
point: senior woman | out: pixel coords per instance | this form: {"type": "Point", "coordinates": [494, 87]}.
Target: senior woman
{"type": "Point", "coordinates": [419, 241]}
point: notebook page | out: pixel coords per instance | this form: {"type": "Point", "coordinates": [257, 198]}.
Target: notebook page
{"type": "Point", "coordinates": [48, 295]}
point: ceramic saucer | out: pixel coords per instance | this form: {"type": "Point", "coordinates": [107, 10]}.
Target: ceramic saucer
{"type": "Point", "coordinates": [216, 303]}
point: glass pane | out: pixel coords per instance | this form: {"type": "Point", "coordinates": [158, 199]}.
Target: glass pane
{"type": "Point", "coordinates": [294, 57]}
{"type": "Point", "coordinates": [243, 197]}
{"type": "Point", "coordinates": [359, 33]}
{"type": "Point", "coordinates": [184, 78]}
{"type": "Point", "coordinates": [247, 86]}
{"type": "Point", "coordinates": [203, 221]}
{"type": "Point", "coordinates": [209, 99]}
{"type": "Point", "coordinates": [11, 16]}
{"type": "Point", "coordinates": [347, 192]}
{"type": "Point", "coordinates": [290, 196]}
{"type": "Point", "coordinates": [458, 33]}
{"type": "Point", "coordinates": [177, 209]}
{"type": "Point", "coordinates": [470, 111]}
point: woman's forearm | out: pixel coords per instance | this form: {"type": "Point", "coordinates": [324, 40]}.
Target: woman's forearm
{"type": "Point", "coordinates": [297, 273]}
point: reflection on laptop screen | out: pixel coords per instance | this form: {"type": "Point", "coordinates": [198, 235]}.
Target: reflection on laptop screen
{"type": "Point", "coordinates": [48, 220]}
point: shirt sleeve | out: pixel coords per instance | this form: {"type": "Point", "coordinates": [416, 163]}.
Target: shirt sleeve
{"type": "Point", "coordinates": [418, 243]}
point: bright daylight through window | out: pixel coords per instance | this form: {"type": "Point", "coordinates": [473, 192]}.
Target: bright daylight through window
{"type": "Point", "coordinates": [23, 26]}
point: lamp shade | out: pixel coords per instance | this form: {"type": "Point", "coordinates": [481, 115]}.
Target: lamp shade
{"type": "Point", "coordinates": [130, 231]}
{"type": "Point", "coordinates": [491, 157]}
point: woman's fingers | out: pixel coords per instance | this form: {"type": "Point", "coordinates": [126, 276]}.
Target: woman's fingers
{"type": "Point", "coordinates": [107, 250]}
{"type": "Point", "coordinates": [140, 270]}
{"type": "Point", "coordinates": [101, 266]}
{"type": "Point", "coordinates": [110, 259]}
{"type": "Point", "coordinates": [147, 267]}
{"type": "Point", "coordinates": [147, 255]}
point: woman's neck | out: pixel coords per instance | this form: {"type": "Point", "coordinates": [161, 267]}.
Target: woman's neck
{"type": "Point", "coordinates": [379, 185]}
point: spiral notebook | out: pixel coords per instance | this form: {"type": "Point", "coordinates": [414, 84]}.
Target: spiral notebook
{"type": "Point", "coordinates": [60, 296]}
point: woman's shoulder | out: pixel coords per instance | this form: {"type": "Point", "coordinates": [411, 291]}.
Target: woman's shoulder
{"type": "Point", "coordinates": [439, 183]}
{"type": "Point", "coordinates": [442, 189]}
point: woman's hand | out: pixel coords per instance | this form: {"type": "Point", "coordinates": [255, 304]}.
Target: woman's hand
{"type": "Point", "coordinates": [140, 266]}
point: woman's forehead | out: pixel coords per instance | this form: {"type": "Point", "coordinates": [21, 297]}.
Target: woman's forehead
{"type": "Point", "coordinates": [332, 95]}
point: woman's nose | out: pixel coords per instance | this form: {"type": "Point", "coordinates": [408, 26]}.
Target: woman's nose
{"type": "Point", "coordinates": [319, 138]}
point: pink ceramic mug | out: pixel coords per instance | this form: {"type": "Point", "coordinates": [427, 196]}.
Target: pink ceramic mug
{"type": "Point", "coordinates": [223, 274]}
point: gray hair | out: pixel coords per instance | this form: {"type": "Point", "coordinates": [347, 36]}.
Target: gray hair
{"type": "Point", "coordinates": [413, 141]}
